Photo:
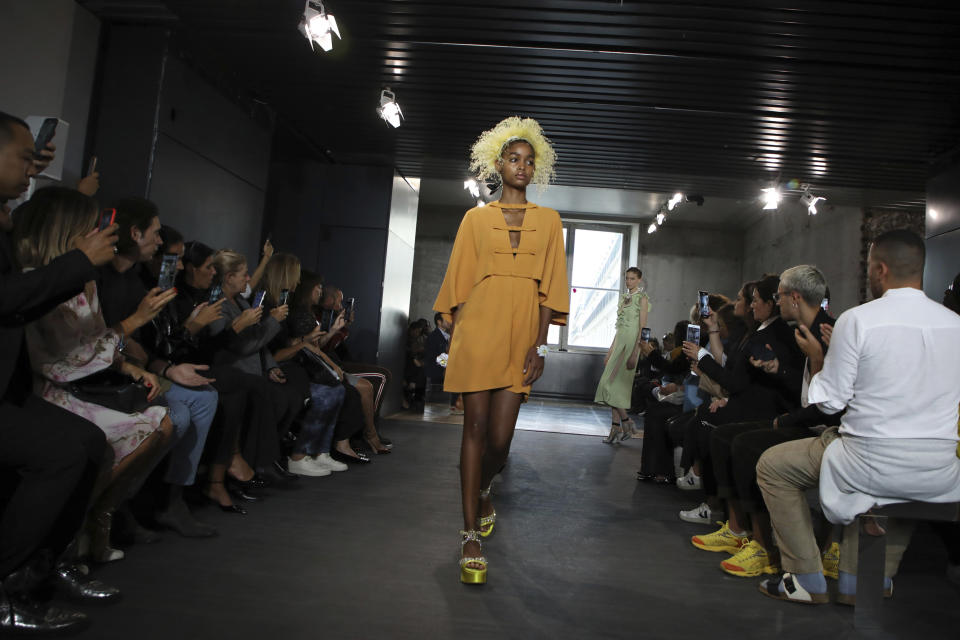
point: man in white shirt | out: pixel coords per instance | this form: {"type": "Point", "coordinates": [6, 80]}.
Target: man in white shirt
{"type": "Point", "coordinates": [893, 364]}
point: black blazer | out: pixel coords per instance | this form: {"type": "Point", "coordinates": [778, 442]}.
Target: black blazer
{"type": "Point", "coordinates": [24, 297]}
{"type": "Point", "coordinates": [436, 344]}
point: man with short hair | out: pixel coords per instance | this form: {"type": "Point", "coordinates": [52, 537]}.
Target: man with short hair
{"type": "Point", "coordinates": [893, 365]}
{"type": "Point", "coordinates": [437, 342]}
{"type": "Point", "coordinates": [48, 456]}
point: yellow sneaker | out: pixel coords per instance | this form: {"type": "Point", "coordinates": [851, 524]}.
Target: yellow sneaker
{"type": "Point", "coordinates": [831, 562]}
{"type": "Point", "coordinates": [752, 560]}
{"type": "Point", "coordinates": [721, 540]}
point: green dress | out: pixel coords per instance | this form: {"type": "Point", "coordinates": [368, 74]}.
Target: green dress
{"type": "Point", "coordinates": [616, 383]}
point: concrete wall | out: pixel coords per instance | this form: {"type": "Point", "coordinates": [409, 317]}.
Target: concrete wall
{"type": "Point", "coordinates": [788, 237]}
{"type": "Point", "coordinates": [678, 261]}
{"type": "Point", "coordinates": [48, 56]}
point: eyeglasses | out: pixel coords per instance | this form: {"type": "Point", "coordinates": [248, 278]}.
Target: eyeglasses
{"type": "Point", "coordinates": [777, 295]}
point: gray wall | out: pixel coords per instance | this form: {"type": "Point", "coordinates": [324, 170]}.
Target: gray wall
{"type": "Point", "coordinates": [943, 229]}
{"type": "Point", "coordinates": [163, 132]}
{"type": "Point", "coordinates": [830, 240]}
{"type": "Point", "coordinates": [48, 56]}
{"type": "Point", "coordinates": [682, 260]}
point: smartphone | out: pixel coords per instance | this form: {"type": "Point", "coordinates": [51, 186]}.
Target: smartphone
{"type": "Point", "coordinates": [93, 166]}
{"type": "Point", "coordinates": [216, 292]}
{"type": "Point", "coordinates": [693, 333]}
{"type": "Point", "coordinates": [327, 316]}
{"type": "Point", "coordinates": [349, 306]}
{"type": "Point", "coordinates": [645, 334]}
{"type": "Point", "coordinates": [284, 297]}
{"type": "Point", "coordinates": [107, 216]}
{"type": "Point", "coordinates": [168, 271]}
{"type": "Point", "coordinates": [47, 130]}
{"type": "Point", "coordinates": [825, 304]}
{"type": "Point", "coordinates": [258, 299]}
{"type": "Point", "coordinates": [704, 303]}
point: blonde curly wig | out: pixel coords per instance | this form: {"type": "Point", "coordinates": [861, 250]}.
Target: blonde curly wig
{"type": "Point", "coordinates": [491, 144]}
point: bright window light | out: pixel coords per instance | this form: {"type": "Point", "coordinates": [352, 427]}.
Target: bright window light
{"type": "Point", "coordinates": [389, 110]}
{"type": "Point", "coordinates": [770, 197]}
{"type": "Point", "coordinates": [318, 26]}
{"type": "Point", "coordinates": [472, 186]}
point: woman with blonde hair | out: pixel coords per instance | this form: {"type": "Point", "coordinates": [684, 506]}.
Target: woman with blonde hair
{"type": "Point", "coordinates": [506, 282]}
{"type": "Point", "coordinates": [72, 343]}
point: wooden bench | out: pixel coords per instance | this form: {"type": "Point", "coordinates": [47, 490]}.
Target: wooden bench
{"type": "Point", "coordinates": [873, 550]}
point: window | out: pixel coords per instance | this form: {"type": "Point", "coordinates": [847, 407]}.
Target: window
{"type": "Point", "coordinates": [596, 260]}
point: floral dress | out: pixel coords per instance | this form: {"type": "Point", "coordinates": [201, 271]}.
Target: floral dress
{"type": "Point", "coordinates": [616, 383]}
{"type": "Point", "coordinates": [72, 342]}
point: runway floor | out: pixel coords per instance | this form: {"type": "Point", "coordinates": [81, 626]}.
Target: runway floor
{"type": "Point", "coordinates": [581, 550]}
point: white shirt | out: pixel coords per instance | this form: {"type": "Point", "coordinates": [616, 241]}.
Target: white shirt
{"type": "Point", "coordinates": [894, 363]}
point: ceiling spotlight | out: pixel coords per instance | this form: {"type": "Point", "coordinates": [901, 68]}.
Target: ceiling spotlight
{"type": "Point", "coordinates": [770, 197]}
{"type": "Point", "coordinates": [389, 110]}
{"type": "Point", "coordinates": [472, 186]}
{"type": "Point", "coordinates": [810, 201]}
{"type": "Point", "coordinates": [660, 218]}
{"type": "Point", "coordinates": [652, 227]}
{"type": "Point", "coordinates": [317, 25]}
{"type": "Point", "coordinates": [933, 214]}
{"type": "Point", "coordinates": [674, 201]}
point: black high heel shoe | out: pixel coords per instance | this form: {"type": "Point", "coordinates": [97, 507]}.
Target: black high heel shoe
{"type": "Point", "coordinates": [238, 490]}
{"type": "Point", "coordinates": [348, 459]}
{"type": "Point", "coordinates": [255, 482]}
{"type": "Point", "coordinates": [226, 508]}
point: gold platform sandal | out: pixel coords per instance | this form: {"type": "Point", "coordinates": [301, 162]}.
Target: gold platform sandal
{"type": "Point", "coordinates": [487, 521]}
{"type": "Point", "coordinates": [472, 575]}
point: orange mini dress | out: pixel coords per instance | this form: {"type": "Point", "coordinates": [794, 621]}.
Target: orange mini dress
{"type": "Point", "coordinates": [501, 290]}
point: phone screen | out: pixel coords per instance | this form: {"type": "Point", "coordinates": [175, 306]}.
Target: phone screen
{"type": "Point", "coordinates": [704, 303]}
{"type": "Point", "coordinates": [825, 304]}
{"type": "Point", "coordinates": [168, 271]}
{"type": "Point", "coordinates": [645, 334]}
{"type": "Point", "coordinates": [326, 319]}
{"type": "Point", "coordinates": [107, 216]}
{"type": "Point", "coordinates": [216, 292]}
{"type": "Point", "coordinates": [284, 297]}
{"type": "Point", "coordinates": [693, 333]}
{"type": "Point", "coordinates": [258, 298]}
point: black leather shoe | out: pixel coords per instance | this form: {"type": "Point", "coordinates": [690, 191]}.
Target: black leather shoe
{"type": "Point", "coordinates": [18, 615]}
{"type": "Point", "coordinates": [282, 471]}
{"type": "Point", "coordinates": [239, 492]}
{"type": "Point", "coordinates": [256, 482]}
{"type": "Point", "coordinates": [70, 580]}
{"type": "Point", "coordinates": [342, 457]}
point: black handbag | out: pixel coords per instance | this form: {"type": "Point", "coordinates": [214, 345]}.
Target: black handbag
{"type": "Point", "coordinates": [317, 369]}
{"type": "Point", "coordinates": [113, 390]}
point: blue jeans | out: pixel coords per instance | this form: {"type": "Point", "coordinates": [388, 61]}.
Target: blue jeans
{"type": "Point", "coordinates": [191, 412]}
{"type": "Point", "coordinates": [316, 434]}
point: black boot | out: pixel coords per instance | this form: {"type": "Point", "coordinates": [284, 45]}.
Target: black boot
{"type": "Point", "coordinates": [177, 516]}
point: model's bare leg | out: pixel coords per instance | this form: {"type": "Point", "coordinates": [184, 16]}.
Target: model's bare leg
{"type": "Point", "coordinates": [504, 408]}
{"type": "Point", "coordinates": [476, 419]}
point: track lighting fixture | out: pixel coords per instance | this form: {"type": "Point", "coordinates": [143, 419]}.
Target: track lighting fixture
{"type": "Point", "coordinates": [674, 201]}
{"type": "Point", "coordinates": [770, 197]}
{"type": "Point", "coordinates": [652, 227]}
{"type": "Point", "coordinates": [472, 186]}
{"type": "Point", "coordinates": [389, 110]}
{"type": "Point", "coordinates": [810, 201]}
{"type": "Point", "coordinates": [318, 26]}
{"type": "Point", "coordinates": [660, 218]}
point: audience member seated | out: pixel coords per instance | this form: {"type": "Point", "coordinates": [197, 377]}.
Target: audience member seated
{"type": "Point", "coordinates": [736, 448]}
{"type": "Point", "coordinates": [246, 351]}
{"type": "Point", "coordinates": [122, 286]}
{"type": "Point", "coordinates": [71, 344]}
{"type": "Point", "coordinates": [49, 457]}
{"type": "Point", "coordinates": [438, 342]}
{"type": "Point", "coordinates": [754, 394]}
{"type": "Point", "coordinates": [245, 405]}
{"type": "Point", "coordinates": [897, 440]}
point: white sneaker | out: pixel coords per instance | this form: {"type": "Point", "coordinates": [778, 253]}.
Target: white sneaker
{"type": "Point", "coordinates": [699, 515]}
{"type": "Point", "coordinates": [324, 461]}
{"type": "Point", "coordinates": [689, 482]}
{"type": "Point", "coordinates": [306, 467]}
{"type": "Point", "coordinates": [677, 455]}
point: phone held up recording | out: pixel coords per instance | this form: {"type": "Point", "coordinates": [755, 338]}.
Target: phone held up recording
{"type": "Point", "coordinates": [168, 271]}
{"type": "Point", "coordinates": [284, 297]}
{"type": "Point", "coordinates": [216, 292]}
{"type": "Point", "coordinates": [645, 334]}
{"type": "Point", "coordinates": [107, 216]}
{"type": "Point", "coordinates": [703, 301]}
{"type": "Point", "coordinates": [693, 333]}
{"type": "Point", "coordinates": [258, 299]}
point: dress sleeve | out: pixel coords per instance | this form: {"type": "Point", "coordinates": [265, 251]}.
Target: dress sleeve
{"type": "Point", "coordinates": [461, 270]}
{"type": "Point", "coordinates": [64, 348]}
{"type": "Point", "coordinates": [554, 290]}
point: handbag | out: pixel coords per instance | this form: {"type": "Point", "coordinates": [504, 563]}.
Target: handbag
{"type": "Point", "coordinates": [317, 369]}
{"type": "Point", "coordinates": [111, 389]}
